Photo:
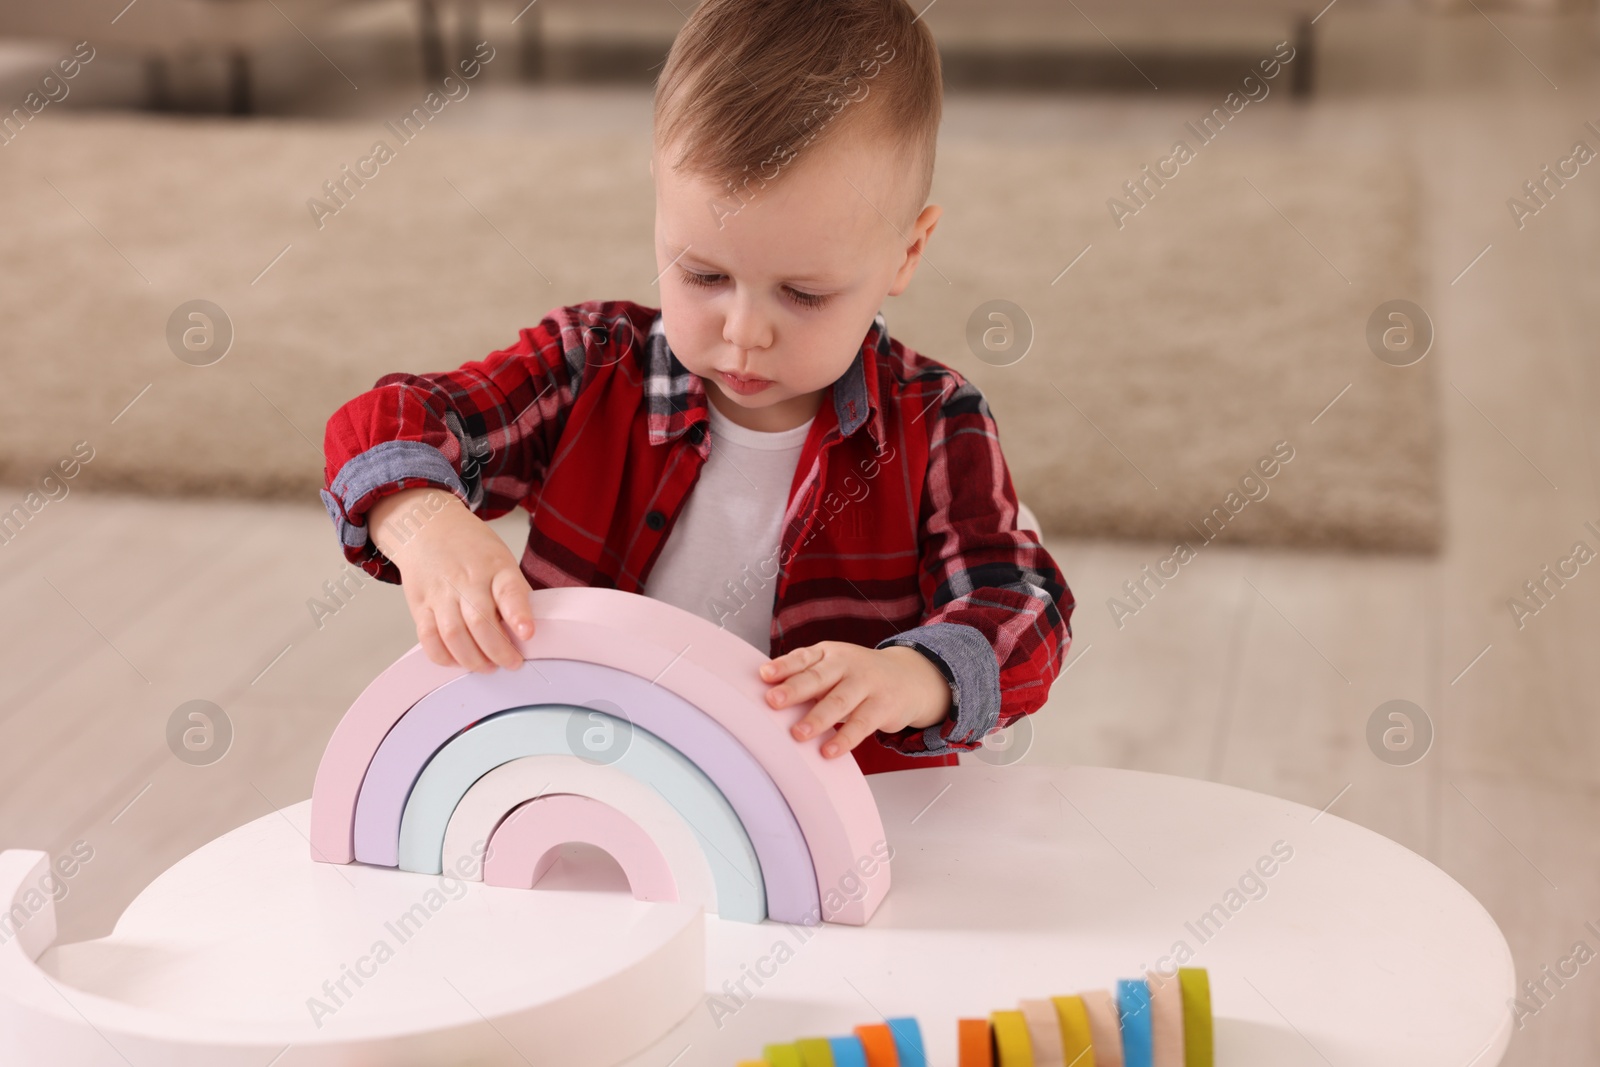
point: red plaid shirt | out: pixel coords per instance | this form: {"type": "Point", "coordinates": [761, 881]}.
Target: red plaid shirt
{"type": "Point", "coordinates": [901, 527]}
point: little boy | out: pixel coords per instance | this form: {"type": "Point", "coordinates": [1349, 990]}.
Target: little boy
{"type": "Point", "coordinates": [758, 450]}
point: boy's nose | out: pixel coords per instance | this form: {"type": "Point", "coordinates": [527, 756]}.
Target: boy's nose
{"type": "Point", "coordinates": [746, 329]}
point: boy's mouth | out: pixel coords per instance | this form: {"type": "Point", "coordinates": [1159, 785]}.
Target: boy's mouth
{"type": "Point", "coordinates": [743, 386]}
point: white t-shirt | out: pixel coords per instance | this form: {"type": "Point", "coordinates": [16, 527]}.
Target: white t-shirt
{"type": "Point", "coordinates": [721, 559]}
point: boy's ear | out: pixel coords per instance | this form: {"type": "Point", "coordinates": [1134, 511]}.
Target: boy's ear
{"type": "Point", "coordinates": [921, 230]}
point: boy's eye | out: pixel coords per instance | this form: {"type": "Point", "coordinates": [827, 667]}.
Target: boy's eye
{"type": "Point", "coordinates": [700, 279]}
{"type": "Point", "coordinates": [810, 300]}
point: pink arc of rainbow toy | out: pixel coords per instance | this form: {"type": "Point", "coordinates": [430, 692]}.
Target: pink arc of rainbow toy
{"type": "Point", "coordinates": [702, 791]}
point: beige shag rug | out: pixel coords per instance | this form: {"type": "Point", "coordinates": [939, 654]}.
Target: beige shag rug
{"type": "Point", "coordinates": [1222, 318]}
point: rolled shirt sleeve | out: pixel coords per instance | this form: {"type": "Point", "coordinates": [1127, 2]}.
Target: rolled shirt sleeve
{"type": "Point", "coordinates": [999, 609]}
{"type": "Point", "coordinates": [483, 432]}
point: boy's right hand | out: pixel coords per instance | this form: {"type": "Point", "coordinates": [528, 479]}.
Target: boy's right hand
{"type": "Point", "coordinates": [464, 587]}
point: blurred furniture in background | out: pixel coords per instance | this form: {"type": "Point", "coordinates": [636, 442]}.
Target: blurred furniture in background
{"type": "Point", "coordinates": [1096, 45]}
{"type": "Point", "coordinates": [1135, 45]}
{"type": "Point", "coordinates": [159, 31]}
{"type": "Point", "coordinates": [1087, 44]}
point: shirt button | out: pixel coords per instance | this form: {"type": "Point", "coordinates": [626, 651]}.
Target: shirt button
{"type": "Point", "coordinates": [655, 520]}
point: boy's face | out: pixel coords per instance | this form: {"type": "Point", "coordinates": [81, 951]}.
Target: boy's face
{"type": "Point", "coordinates": [786, 287]}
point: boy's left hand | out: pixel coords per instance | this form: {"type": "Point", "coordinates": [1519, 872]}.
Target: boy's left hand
{"type": "Point", "coordinates": [868, 689]}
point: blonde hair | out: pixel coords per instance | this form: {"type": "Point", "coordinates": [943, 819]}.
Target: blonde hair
{"type": "Point", "coordinates": [750, 86]}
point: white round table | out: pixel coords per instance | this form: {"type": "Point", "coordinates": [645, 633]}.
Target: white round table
{"type": "Point", "coordinates": [1325, 943]}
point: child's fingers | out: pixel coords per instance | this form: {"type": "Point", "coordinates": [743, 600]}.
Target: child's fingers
{"type": "Point", "coordinates": [781, 667]}
{"type": "Point", "coordinates": [805, 672]}
{"type": "Point", "coordinates": [483, 622]}
{"type": "Point", "coordinates": [511, 591]}
{"type": "Point", "coordinates": [833, 708]}
{"type": "Point", "coordinates": [457, 636]}
{"type": "Point", "coordinates": [428, 637]}
{"type": "Point", "coordinates": [856, 729]}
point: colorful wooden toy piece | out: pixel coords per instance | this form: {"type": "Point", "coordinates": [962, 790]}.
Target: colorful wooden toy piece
{"type": "Point", "coordinates": [1104, 1027]}
{"type": "Point", "coordinates": [847, 1052]}
{"type": "Point", "coordinates": [1044, 1032]}
{"type": "Point", "coordinates": [878, 1043]}
{"type": "Point", "coordinates": [815, 1051]}
{"type": "Point", "coordinates": [1011, 1044]}
{"type": "Point", "coordinates": [907, 1041]}
{"type": "Point", "coordinates": [1077, 1044]}
{"type": "Point", "coordinates": [975, 1043]}
{"type": "Point", "coordinates": [1133, 1013]}
{"type": "Point", "coordinates": [808, 830]}
{"type": "Point", "coordinates": [1166, 1019]}
{"type": "Point", "coordinates": [782, 1056]}
{"type": "Point", "coordinates": [1195, 986]}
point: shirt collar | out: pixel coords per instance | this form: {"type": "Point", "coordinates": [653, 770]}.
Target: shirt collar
{"type": "Point", "coordinates": [676, 397]}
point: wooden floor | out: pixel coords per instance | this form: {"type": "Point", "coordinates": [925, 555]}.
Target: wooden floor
{"type": "Point", "coordinates": [1256, 668]}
